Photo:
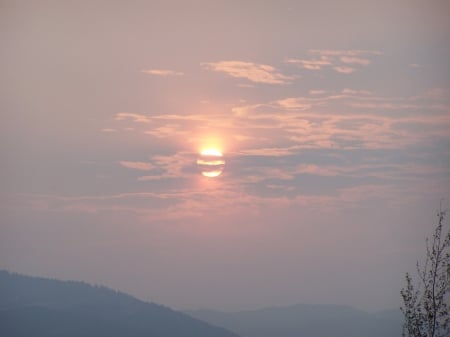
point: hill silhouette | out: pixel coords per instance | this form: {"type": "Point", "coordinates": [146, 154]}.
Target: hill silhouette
{"type": "Point", "coordinates": [306, 320]}
{"type": "Point", "coordinates": [38, 307]}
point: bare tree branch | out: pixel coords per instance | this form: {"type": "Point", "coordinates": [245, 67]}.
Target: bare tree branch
{"type": "Point", "coordinates": [427, 311]}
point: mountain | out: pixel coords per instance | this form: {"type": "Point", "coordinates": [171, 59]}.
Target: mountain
{"type": "Point", "coordinates": [306, 320]}
{"type": "Point", "coordinates": [38, 307]}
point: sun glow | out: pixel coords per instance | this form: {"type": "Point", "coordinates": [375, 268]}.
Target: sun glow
{"type": "Point", "coordinates": [211, 174]}
{"type": "Point", "coordinates": [211, 152]}
{"type": "Point", "coordinates": [211, 162]}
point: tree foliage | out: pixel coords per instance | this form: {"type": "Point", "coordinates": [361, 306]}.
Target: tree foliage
{"type": "Point", "coordinates": [427, 306]}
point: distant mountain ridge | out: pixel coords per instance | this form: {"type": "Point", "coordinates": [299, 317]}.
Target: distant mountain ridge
{"type": "Point", "coordinates": [306, 320]}
{"type": "Point", "coordinates": [39, 307]}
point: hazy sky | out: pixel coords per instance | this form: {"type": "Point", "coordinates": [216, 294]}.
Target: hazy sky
{"type": "Point", "coordinates": [333, 117]}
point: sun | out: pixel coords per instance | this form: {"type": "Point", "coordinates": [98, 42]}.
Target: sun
{"type": "Point", "coordinates": [211, 174]}
{"type": "Point", "coordinates": [211, 162]}
{"type": "Point", "coordinates": [211, 152]}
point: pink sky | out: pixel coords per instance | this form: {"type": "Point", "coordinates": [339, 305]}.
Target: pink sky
{"type": "Point", "coordinates": [333, 118]}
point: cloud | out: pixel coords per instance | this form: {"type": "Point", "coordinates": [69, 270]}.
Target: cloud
{"type": "Point", "coordinates": [299, 134]}
{"type": "Point", "coordinates": [254, 72]}
{"type": "Point", "coordinates": [178, 165]}
{"type": "Point", "coordinates": [287, 125]}
{"type": "Point", "coordinates": [315, 170]}
{"type": "Point", "coordinates": [165, 130]}
{"type": "Point", "coordinates": [335, 59]}
{"type": "Point", "coordinates": [108, 130]}
{"type": "Point", "coordinates": [355, 60]}
{"type": "Point", "coordinates": [245, 85]}
{"type": "Point", "coordinates": [348, 91]}
{"type": "Point", "coordinates": [136, 165]}
{"type": "Point", "coordinates": [344, 70]}
{"type": "Point", "coordinates": [311, 64]}
{"type": "Point", "coordinates": [294, 103]}
{"type": "Point", "coordinates": [269, 152]}
{"type": "Point", "coordinates": [438, 93]}
{"type": "Point", "coordinates": [317, 92]}
{"type": "Point", "coordinates": [384, 105]}
{"type": "Point", "coordinates": [132, 116]}
{"type": "Point", "coordinates": [351, 52]}
{"type": "Point", "coordinates": [162, 72]}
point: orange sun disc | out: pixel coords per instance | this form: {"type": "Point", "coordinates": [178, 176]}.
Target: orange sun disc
{"type": "Point", "coordinates": [211, 162]}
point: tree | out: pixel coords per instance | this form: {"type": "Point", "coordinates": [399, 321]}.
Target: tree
{"type": "Point", "coordinates": [427, 306]}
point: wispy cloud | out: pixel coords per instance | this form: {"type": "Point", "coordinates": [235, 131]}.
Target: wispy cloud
{"type": "Point", "coordinates": [245, 85]}
{"type": "Point", "coordinates": [348, 91]}
{"type": "Point", "coordinates": [165, 130]}
{"type": "Point", "coordinates": [297, 134]}
{"type": "Point", "coordinates": [297, 103]}
{"type": "Point", "coordinates": [350, 52]}
{"type": "Point", "coordinates": [315, 64]}
{"type": "Point", "coordinates": [317, 92]}
{"type": "Point", "coordinates": [355, 60]}
{"type": "Point", "coordinates": [384, 105]}
{"type": "Point", "coordinates": [132, 116]}
{"type": "Point", "coordinates": [162, 72]}
{"type": "Point", "coordinates": [178, 165]}
{"type": "Point", "coordinates": [254, 72]}
{"type": "Point", "coordinates": [438, 93]}
{"type": "Point", "coordinates": [305, 122]}
{"type": "Point", "coordinates": [344, 70]}
{"type": "Point", "coordinates": [338, 60]}
{"type": "Point", "coordinates": [136, 165]}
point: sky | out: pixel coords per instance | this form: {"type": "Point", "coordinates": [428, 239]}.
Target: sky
{"type": "Point", "coordinates": [333, 118]}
